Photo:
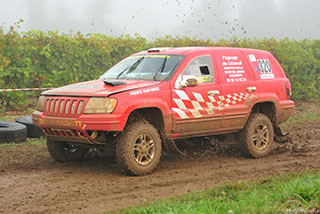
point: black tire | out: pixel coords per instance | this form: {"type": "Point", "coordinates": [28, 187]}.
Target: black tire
{"type": "Point", "coordinates": [257, 136]}
{"type": "Point", "coordinates": [138, 149]}
{"type": "Point", "coordinates": [32, 130]}
{"type": "Point", "coordinates": [11, 132]}
{"type": "Point", "coordinates": [65, 152]}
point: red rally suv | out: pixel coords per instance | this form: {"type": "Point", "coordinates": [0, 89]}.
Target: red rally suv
{"type": "Point", "coordinates": [154, 97]}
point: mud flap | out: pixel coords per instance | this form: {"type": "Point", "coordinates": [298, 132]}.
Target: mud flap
{"type": "Point", "coordinates": [170, 146]}
{"type": "Point", "coordinates": [281, 136]}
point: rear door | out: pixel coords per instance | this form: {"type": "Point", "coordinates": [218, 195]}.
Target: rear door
{"type": "Point", "coordinates": [269, 73]}
{"type": "Point", "coordinates": [237, 86]}
{"type": "Point", "coordinates": [195, 109]}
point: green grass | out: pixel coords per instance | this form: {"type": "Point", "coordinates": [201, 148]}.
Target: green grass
{"type": "Point", "coordinates": [290, 193]}
{"type": "Point", "coordinates": [13, 115]}
{"type": "Point", "coordinates": [302, 118]}
{"type": "Point", "coordinates": [29, 142]}
{"type": "Point", "coordinates": [305, 112]}
{"type": "Point", "coordinates": [310, 116]}
{"type": "Point", "coordinates": [11, 118]}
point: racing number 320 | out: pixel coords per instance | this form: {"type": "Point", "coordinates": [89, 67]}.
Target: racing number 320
{"type": "Point", "coordinates": [264, 66]}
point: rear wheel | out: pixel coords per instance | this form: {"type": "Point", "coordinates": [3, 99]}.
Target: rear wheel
{"type": "Point", "coordinates": [257, 136]}
{"type": "Point", "coordinates": [65, 152]}
{"type": "Point", "coordinates": [139, 148]}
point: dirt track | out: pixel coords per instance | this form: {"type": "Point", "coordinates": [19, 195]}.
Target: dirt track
{"type": "Point", "coordinates": [31, 182]}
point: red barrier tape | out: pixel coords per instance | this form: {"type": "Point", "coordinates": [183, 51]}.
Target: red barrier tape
{"type": "Point", "coordinates": [25, 89]}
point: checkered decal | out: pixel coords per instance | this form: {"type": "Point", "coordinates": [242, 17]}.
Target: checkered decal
{"type": "Point", "coordinates": [196, 105]}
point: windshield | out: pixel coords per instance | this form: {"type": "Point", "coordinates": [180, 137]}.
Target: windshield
{"type": "Point", "coordinates": [144, 67]}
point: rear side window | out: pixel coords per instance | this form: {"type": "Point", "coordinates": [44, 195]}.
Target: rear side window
{"type": "Point", "coordinates": [201, 67]}
{"type": "Point", "coordinates": [265, 66]}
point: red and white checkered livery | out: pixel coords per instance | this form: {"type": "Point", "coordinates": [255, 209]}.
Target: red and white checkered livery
{"type": "Point", "coordinates": [195, 105]}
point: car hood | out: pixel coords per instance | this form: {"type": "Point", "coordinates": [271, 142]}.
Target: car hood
{"type": "Point", "coordinates": [99, 87]}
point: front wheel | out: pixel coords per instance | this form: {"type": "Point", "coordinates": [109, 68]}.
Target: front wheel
{"type": "Point", "coordinates": [65, 152]}
{"type": "Point", "coordinates": [257, 136]}
{"type": "Point", "coordinates": [139, 148]}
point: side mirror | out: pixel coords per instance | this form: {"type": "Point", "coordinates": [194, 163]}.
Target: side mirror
{"type": "Point", "coordinates": [187, 81]}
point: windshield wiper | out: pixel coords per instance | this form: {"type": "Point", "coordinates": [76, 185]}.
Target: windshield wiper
{"type": "Point", "coordinates": [123, 71]}
{"type": "Point", "coordinates": [162, 68]}
{"type": "Point", "coordinates": [134, 65]}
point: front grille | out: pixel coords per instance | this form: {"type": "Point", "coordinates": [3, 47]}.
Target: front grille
{"type": "Point", "coordinates": [64, 106]}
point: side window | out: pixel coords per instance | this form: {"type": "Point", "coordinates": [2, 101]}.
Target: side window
{"type": "Point", "coordinates": [201, 67]}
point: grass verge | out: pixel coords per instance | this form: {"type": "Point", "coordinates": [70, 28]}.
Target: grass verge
{"type": "Point", "coordinates": [29, 142]}
{"type": "Point", "coordinates": [304, 112]}
{"type": "Point", "coordinates": [14, 114]}
{"type": "Point", "coordinates": [297, 192]}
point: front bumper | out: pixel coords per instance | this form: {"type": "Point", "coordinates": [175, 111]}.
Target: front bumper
{"type": "Point", "coordinates": [78, 129]}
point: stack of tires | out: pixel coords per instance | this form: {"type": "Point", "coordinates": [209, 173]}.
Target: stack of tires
{"type": "Point", "coordinates": [15, 132]}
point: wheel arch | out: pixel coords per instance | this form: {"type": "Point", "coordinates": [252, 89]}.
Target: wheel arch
{"type": "Point", "coordinates": [267, 108]}
{"type": "Point", "coordinates": [153, 115]}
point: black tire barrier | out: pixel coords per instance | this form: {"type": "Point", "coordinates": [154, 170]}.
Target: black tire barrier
{"type": "Point", "coordinates": [32, 130]}
{"type": "Point", "coordinates": [11, 132]}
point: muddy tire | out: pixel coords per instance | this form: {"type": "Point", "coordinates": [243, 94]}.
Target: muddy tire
{"type": "Point", "coordinates": [138, 149]}
{"type": "Point", "coordinates": [65, 152]}
{"type": "Point", "coordinates": [257, 136]}
{"type": "Point", "coordinates": [11, 132]}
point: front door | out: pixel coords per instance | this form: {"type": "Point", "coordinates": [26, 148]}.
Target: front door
{"type": "Point", "coordinates": [197, 110]}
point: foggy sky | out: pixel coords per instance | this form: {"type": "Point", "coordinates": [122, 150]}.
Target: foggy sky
{"type": "Point", "coordinates": [202, 19]}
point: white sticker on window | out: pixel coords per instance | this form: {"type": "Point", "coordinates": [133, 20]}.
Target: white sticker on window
{"type": "Point", "coordinates": [267, 76]}
{"type": "Point", "coordinates": [252, 58]}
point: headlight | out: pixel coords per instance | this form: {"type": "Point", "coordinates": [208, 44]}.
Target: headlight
{"type": "Point", "coordinates": [40, 104]}
{"type": "Point", "coordinates": [98, 105]}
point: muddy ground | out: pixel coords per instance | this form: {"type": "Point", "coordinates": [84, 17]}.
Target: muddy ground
{"type": "Point", "coordinates": [31, 182]}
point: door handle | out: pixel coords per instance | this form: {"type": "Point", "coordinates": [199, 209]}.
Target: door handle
{"type": "Point", "coordinates": [251, 89]}
{"type": "Point", "coordinates": [213, 93]}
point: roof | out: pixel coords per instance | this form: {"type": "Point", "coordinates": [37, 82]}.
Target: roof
{"type": "Point", "coordinates": [189, 50]}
